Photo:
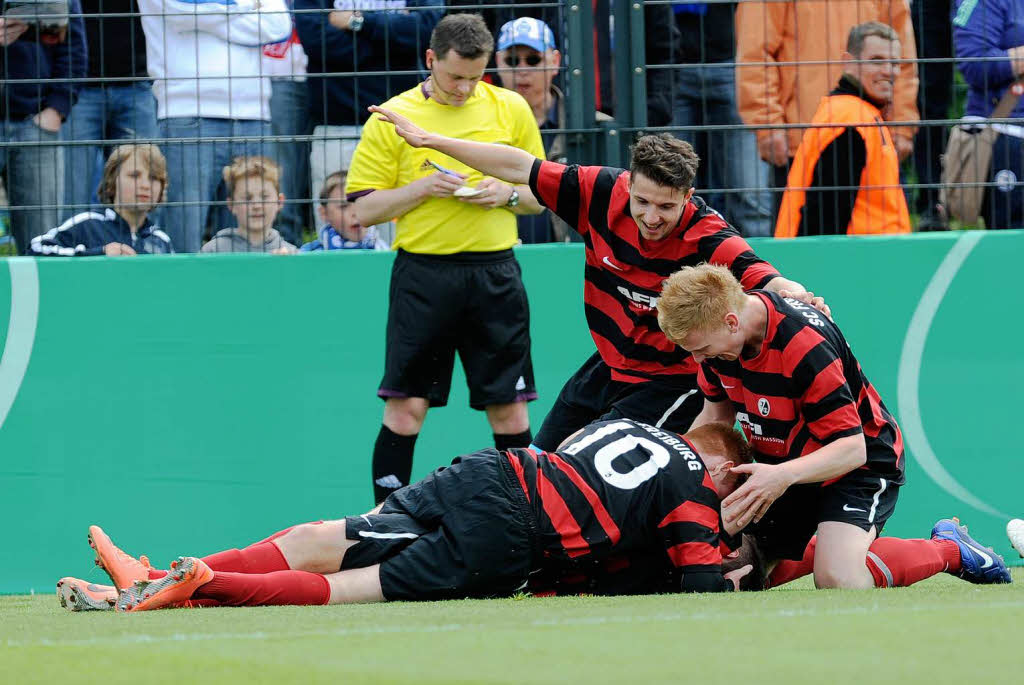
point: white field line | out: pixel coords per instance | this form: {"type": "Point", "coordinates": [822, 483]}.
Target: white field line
{"type": "Point", "coordinates": [143, 638]}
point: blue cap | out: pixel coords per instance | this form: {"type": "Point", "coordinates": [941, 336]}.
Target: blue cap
{"type": "Point", "coordinates": [533, 33]}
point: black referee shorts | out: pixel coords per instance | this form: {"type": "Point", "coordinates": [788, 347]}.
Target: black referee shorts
{"type": "Point", "coordinates": [862, 498]}
{"type": "Point", "coordinates": [473, 303]}
{"type": "Point", "coordinates": [591, 395]}
{"type": "Point", "coordinates": [465, 530]}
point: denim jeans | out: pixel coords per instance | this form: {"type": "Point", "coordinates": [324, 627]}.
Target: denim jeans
{"type": "Point", "coordinates": [289, 116]}
{"type": "Point", "coordinates": [195, 168]}
{"type": "Point", "coordinates": [111, 113]}
{"type": "Point", "coordinates": [35, 176]}
{"type": "Point", "coordinates": [706, 95]}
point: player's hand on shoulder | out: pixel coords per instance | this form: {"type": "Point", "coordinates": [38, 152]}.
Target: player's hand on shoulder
{"type": "Point", "coordinates": [440, 184]}
{"type": "Point", "coordinates": [748, 503]}
{"type": "Point", "coordinates": [491, 193]}
{"type": "Point", "coordinates": [807, 297]}
{"type": "Point", "coordinates": [118, 249]}
{"type": "Point", "coordinates": [410, 132]}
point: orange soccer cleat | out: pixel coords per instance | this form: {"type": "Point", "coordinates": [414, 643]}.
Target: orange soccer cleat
{"type": "Point", "coordinates": [81, 595]}
{"type": "Point", "coordinates": [124, 569]}
{"type": "Point", "coordinates": [187, 574]}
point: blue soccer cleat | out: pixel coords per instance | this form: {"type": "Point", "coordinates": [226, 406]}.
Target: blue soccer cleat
{"type": "Point", "coordinates": [978, 564]}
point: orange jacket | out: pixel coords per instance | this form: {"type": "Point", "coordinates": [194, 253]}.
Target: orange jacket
{"type": "Point", "coordinates": [811, 30]}
{"type": "Point", "coordinates": [859, 155]}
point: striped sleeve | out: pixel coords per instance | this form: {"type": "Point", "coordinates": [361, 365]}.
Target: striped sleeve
{"type": "Point", "coordinates": [710, 383]}
{"type": "Point", "coordinates": [827, 403]}
{"type": "Point", "coordinates": [690, 530]}
{"type": "Point", "coordinates": [720, 243]}
{"type": "Point", "coordinates": [567, 190]}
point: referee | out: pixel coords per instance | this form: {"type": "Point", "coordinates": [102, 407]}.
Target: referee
{"type": "Point", "coordinates": [455, 285]}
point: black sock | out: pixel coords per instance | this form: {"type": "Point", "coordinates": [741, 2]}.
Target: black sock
{"type": "Point", "coordinates": [392, 462]}
{"type": "Point", "coordinates": [504, 441]}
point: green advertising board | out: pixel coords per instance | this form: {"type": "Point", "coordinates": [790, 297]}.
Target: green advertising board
{"type": "Point", "coordinates": [194, 403]}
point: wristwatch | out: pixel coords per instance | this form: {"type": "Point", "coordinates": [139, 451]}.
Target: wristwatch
{"type": "Point", "coordinates": [355, 22]}
{"type": "Point", "coordinates": [513, 199]}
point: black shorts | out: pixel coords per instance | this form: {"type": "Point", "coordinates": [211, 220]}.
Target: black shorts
{"type": "Point", "coordinates": [591, 395]}
{"type": "Point", "coordinates": [862, 498]}
{"type": "Point", "coordinates": [465, 530]}
{"type": "Point", "coordinates": [473, 303]}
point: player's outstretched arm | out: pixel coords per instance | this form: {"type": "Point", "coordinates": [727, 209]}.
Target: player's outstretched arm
{"type": "Point", "coordinates": [500, 161]}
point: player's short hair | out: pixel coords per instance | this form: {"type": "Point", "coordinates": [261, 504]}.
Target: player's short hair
{"type": "Point", "coordinates": [147, 153]}
{"type": "Point", "coordinates": [861, 32]}
{"type": "Point", "coordinates": [334, 181]}
{"type": "Point", "coordinates": [666, 160]}
{"type": "Point", "coordinates": [467, 34]}
{"type": "Point", "coordinates": [720, 439]}
{"type": "Point", "coordinates": [255, 166]}
{"type": "Point", "coordinates": [697, 298]}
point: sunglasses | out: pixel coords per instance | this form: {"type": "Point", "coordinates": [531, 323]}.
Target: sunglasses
{"type": "Point", "coordinates": [515, 60]}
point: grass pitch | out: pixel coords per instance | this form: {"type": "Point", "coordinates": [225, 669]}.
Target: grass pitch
{"type": "Point", "coordinates": [940, 631]}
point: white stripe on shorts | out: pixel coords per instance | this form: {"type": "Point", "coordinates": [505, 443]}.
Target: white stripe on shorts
{"type": "Point", "coordinates": [874, 501]}
{"type": "Point", "coordinates": [386, 536]}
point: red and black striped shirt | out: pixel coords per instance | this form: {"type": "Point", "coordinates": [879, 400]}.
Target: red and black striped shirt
{"type": "Point", "coordinates": [619, 487]}
{"type": "Point", "coordinates": [624, 273]}
{"type": "Point", "coordinates": [803, 390]}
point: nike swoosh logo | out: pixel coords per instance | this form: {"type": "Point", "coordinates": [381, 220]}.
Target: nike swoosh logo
{"type": "Point", "coordinates": [614, 266]}
{"type": "Point", "coordinates": [368, 521]}
{"type": "Point", "coordinates": [987, 558]}
{"type": "Point", "coordinates": [847, 507]}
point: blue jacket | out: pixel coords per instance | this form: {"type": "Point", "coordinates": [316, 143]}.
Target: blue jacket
{"type": "Point", "coordinates": [393, 39]}
{"type": "Point", "coordinates": [27, 59]}
{"type": "Point", "coordinates": [87, 233]}
{"type": "Point", "coordinates": [330, 239]}
{"type": "Point", "coordinates": [987, 29]}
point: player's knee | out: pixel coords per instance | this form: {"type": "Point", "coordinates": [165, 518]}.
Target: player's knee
{"type": "Point", "coordinates": [839, 578]}
{"type": "Point", "coordinates": [305, 547]}
{"type": "Point", "coordinates": [405, 416]}
{"type": "Point", "coordinates": [509, 418]}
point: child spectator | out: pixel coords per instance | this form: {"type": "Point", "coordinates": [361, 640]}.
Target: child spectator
{"type": "Point", "coordinates": [134, 182]}
{"type": "Point", "coordinates": [341, 230]}
{"type": "Point", "coordinates": [254, 197]}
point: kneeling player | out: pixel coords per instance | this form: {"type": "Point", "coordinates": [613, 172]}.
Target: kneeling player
{"type": "Point", "coordinates": [480, 528]}
{"type": "Point", "coordinates": [829, 454]}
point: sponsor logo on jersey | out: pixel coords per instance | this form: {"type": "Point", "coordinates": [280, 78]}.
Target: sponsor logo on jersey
{"type": "Point", "coordinates": [640, 302]}
{"type": "Point", "coordinates": [764, 407]}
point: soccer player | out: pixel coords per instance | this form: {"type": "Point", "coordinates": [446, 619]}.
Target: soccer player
{"type": "Point", "coordinates": [456, 229]}
{"type": "Point", "coordinates": [829, 455]}
{"type": "Point", "coordinates": [638, 226]}
{"type": "Point", "coordinates": [481, 527]}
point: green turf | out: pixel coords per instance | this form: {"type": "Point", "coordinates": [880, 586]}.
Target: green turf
{"type": "Point", "coordinates": [940, 631]}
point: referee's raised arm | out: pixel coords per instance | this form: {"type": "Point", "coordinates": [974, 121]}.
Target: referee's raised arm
{"type": "Point", "coordinates": [510, 164]}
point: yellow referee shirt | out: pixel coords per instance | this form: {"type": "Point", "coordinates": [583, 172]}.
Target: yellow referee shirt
{"type": "Point", "coordinates": [383, 160]}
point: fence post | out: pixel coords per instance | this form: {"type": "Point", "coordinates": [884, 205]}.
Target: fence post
{"type": "Point", "coordinates": [579, 82]}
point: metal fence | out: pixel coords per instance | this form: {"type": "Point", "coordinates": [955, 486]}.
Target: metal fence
{"type": "Point", "coordinates": [207, 81]}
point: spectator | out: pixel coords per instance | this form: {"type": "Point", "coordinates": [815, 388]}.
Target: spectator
{"type": "Point", "coordinates": [935, 95]}
{"type": "Point", "coordinates": [36, 98]}
{"type": "Point", "coordinates": [705, 94]}
{"type": "Point", "coordinates": [528, 64]}
{"type": "Point", "coordinates": [778, 32]}
{"type": "Point", "coordinates": [341, 230]}
{"type": "Point", "coordinates": [845, 177]}
{"type": "Point", "coordinates": [455, 284]}
{"type": "Point", "coordinates": [993, 33]}
{"type": "Point", "coordinates": [133, 183]}
{"type": "Point", "coordinates": [106, 109]}
{"type": "Point", "coordinates": [254, 198]}
{"type": "Point", "coordinates": [285, 64]}
{"type": "Point", "coordinates": [207, 65]}
{"type": "Point", "coordinates": [387, 40]}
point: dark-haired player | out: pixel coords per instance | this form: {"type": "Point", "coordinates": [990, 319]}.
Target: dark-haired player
{"type": "Point", "coordinates": [481, 527]}
{"type": "Point", "coordinates": [829, 454]}
{"type": "Point", "coordinates": [638, 227]}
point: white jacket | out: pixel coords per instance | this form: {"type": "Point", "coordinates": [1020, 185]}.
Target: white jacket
{"type": "Point", "coordinates": [205, 56]}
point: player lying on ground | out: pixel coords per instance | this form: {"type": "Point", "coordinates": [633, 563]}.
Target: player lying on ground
{"type": "Point", "coordinates": [479, 528]}
{"type": "Point", "coordinates": [829, 454]}
{"type": "Point", "coordinates": [639, 227]}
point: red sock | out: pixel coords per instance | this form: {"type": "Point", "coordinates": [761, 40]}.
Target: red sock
{"type": "Point", "coordinates": [788, 570]}
{"type": "Point", "coordinates": [895, 562]}
{"type": "Point", "coordinates": [264, 589]}
{"type": "Point", "coordinates": [260, 557]}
